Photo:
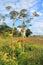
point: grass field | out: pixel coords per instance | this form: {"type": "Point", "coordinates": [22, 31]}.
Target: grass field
{"type": "Point", "coordinates": [21, 51]}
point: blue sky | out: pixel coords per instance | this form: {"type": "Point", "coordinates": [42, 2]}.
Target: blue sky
{"type": "Point", "coordinates": [31, 6]}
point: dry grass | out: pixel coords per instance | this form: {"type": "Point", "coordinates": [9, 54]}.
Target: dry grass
{"type": "Point", "coordinates": [29, 40]}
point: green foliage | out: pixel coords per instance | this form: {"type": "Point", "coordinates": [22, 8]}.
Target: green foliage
{"type": "Point", "coordinates": [28, 32]}
{"type": "Point", "coordinates": [28, 59]}
{"type": "Point", "coordinates": [19, 34]}
{"type": "Point", "coordinates": [29, 48]}
{"type": "Point", "coordinates": [6, 31]}
{"type": "Point", "coordinates": [32, 55]}
{"type": "Point", "coordinates": [15, 33]}
{"type": "Point", "coordinates": [4, 28]}
{"type": "Point", "coordinates": [8, 7]}
{"type": "Point", "coordinates": [18, 49]}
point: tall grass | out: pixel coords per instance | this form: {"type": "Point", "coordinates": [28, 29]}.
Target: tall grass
{"type": "Point", "coordinates": [32, 55]}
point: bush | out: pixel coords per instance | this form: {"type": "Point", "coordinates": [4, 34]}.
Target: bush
{"type": "Point", "coordinates": [28, 32]}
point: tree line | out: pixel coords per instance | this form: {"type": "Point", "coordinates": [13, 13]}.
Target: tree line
{"type": "Point", "coordinates": [5, 30]}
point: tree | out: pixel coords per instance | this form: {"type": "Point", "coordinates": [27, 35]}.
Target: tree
{"type": "Point", "coordinates": [13, 16]}
{"type": "Point", "coordinates": [23, 15]}
{"type": "Point", "coordinates": [28, 32]}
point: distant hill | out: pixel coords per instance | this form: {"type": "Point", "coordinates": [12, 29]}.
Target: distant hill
{"type": "Point", "coordinates": [4, 29]}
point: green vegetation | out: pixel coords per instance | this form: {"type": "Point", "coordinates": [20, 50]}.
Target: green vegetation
{"type": "Point", "coordinates": [6, 31]}
{"type": "Point", "coordinates": [32, 54]}
{"type": "Point", "coordinates": [16, 16]}
{"type": "Point", "coordinates": [28, 32]}
{"type": "Point", "coordinates": [15, 46]}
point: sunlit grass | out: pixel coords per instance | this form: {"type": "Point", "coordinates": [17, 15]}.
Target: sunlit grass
{"type": "Point", "coordinates": [14, 55]}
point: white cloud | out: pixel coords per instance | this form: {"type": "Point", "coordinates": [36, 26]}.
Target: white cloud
{"type": "Point", "coordinates": [40, 25]}
{"type": "Point", "coordinates": [37, 27]}
{"type": "Point", "coordinates": [40, 13]}
{"type": "Point", "coordinates": [19, 4]}
{"type": "Point", "coordinates": [6, 21]}
{"type": "Point", "coordinates": [38, 31]}
{"type": "Point", "coordinates": [25, 4]}
{"type": "Point", "coordinates": [42, 4]}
